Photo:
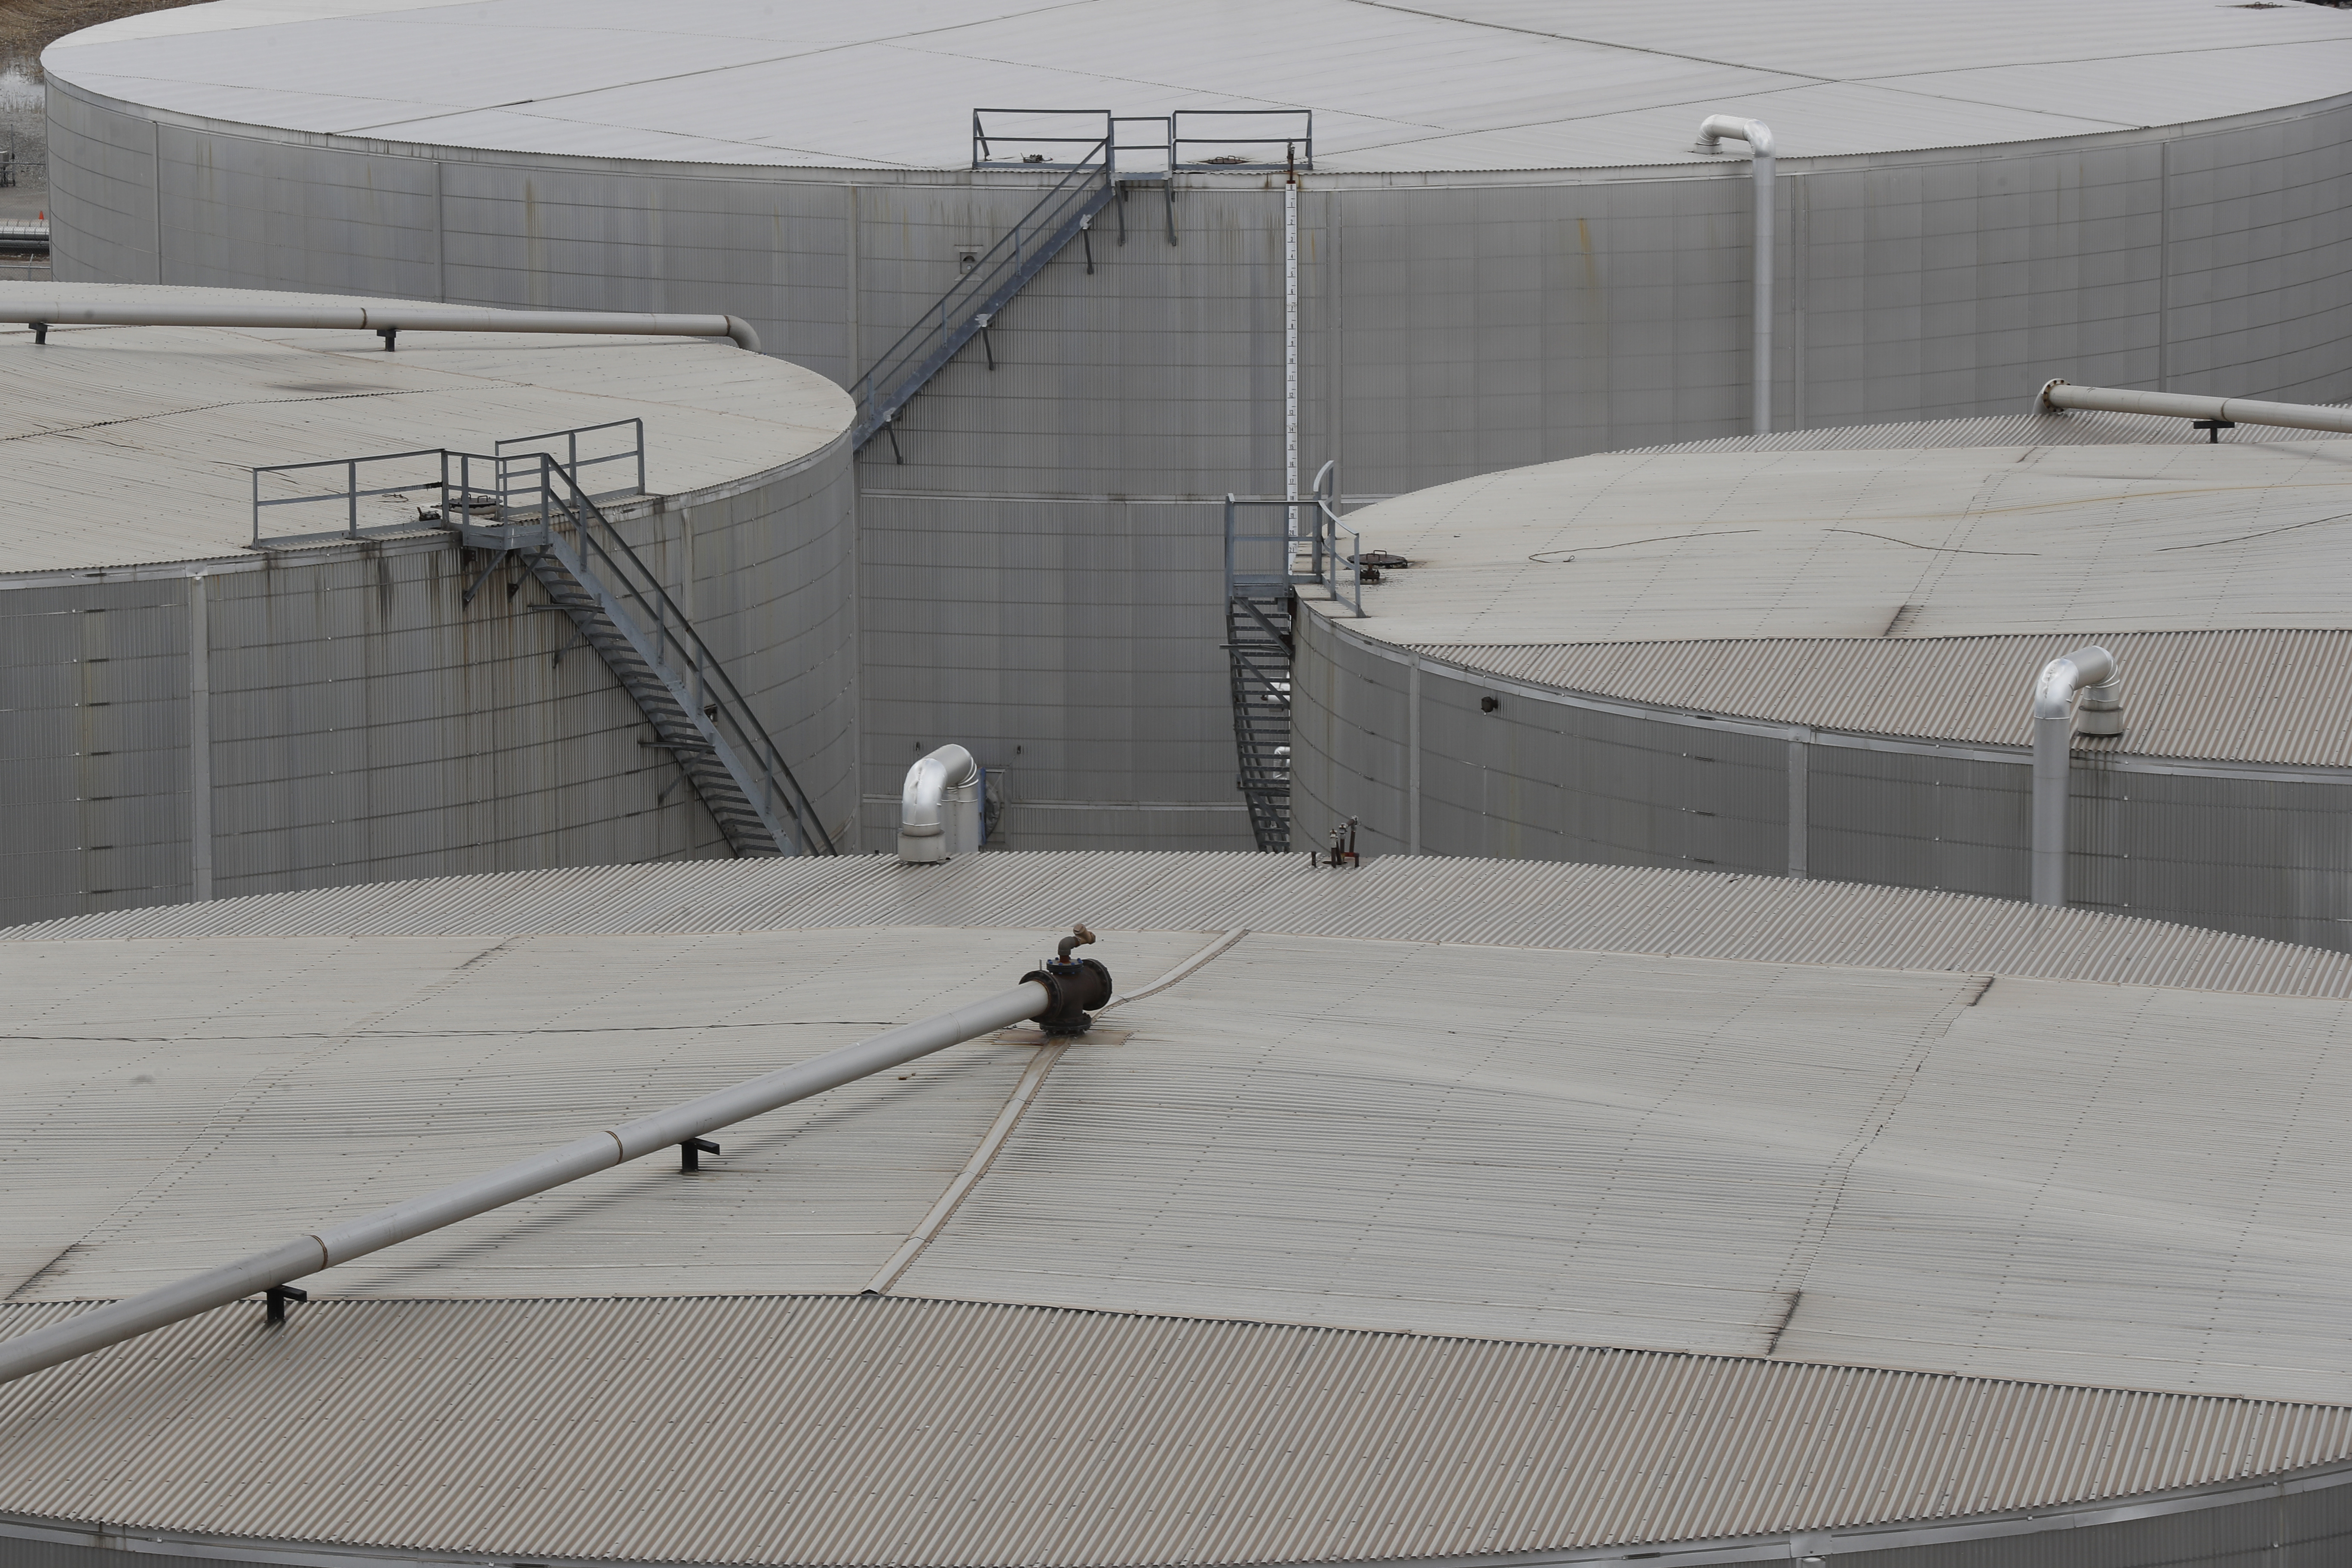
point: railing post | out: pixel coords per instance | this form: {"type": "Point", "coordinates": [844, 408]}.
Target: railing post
{"type": "Point", "coordinates": [256, 507]}
{"type": "Point", "coordinates": [571, 456]}
{"type": "Point", "coordinates": [641, 454]}
{"type": "Point", "coordinates": [352, 494]}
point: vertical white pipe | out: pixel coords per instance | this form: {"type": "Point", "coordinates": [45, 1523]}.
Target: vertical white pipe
{"type": "Point", "coordinates": [1761, 305]}
{"type": "Point", "coordinates": [1413, 758]}
{"type": "Point", "coordinates": [1713, 131]}
{"type": "Point", "coordinates": [1290, 342]}
{"type": "Point", "coordinates": [200, 742]}
{"type": "Point", "coordinates": [1799, 807]}
{"type": "Point", "coordinates": [2053, 737]}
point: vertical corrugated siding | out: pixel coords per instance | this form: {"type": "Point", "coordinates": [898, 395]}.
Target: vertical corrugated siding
{"type": "Point", "coordinates": [874, 1430]}
{"type": "Point", "coordinates": [1397, 898]}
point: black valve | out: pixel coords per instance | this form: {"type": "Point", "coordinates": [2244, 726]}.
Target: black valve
{"type": "Point", "coordinates": [1078, 985]}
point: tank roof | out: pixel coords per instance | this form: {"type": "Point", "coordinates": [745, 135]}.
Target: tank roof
{"type": "Point", "coordinates": [1463, 85]}
{"type": "Point", "coordinates": [1890, 579]}
{"type": "Point", "coordinates": [1555, 1188]}
{"type": "Point", "coordinates": [136, 446]}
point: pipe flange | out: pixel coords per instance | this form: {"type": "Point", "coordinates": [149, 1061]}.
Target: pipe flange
{"type": "Point", "coordinates": [1077, 988]}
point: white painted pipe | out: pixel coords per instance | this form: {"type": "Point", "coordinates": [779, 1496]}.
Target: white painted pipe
{"type": "Point", "coordinates": [938, 807]}
{"type": "Point", "coordinates": [30, 304]}
{"type": "Point", "coordinates": [1716, 129]}
{"type": "Point", "coordinates": [330, 1244]}
{"type": "Point", "coordinates": [2091, 671]}
{"type": "Point", "coordinates": [2059, 396]}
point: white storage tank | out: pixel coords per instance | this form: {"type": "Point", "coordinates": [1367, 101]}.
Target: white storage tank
{"type": "Point", "coordinates": [218, 686]}
{"type": "Point", "coordinates": [1510, 248]}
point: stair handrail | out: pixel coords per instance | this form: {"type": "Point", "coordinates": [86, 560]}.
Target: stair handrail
{"type": "Point", "coordinates": [880, 391]}
{"type": "Point", "coordinates": [561, 494]}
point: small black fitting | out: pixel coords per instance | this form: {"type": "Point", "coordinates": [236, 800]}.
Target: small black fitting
{"type": "Point", "coordinates": [275, 1297]}
{"type": "Point", "coordinates": [1077, 985]}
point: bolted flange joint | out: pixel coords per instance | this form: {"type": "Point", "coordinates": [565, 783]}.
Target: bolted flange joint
{"type": "Point", "coordinates": [1077, 985]}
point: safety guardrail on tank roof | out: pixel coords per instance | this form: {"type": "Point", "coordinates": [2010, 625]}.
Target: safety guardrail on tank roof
{"type": "Point", "coordinates": [1036, 139]}
{"type": "Point", "coordinates": [1304, 552]}
{"type": "Point", "coordinates": [466, 484]}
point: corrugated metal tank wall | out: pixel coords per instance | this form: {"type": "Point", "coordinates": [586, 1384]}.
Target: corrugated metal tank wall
{"type": "Point", "coordinates": [94, 775]}
{"type": "Point", "coordinates": [366, 726]}
{"type": "Point", "coordinates": [1451, 324]}
{"type": "Point", "coordinates": [2260, 852]}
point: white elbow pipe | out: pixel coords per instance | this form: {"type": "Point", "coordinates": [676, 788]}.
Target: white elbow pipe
{"type": "Point", "coordinates": [2091, 671]}
{"type": "Point", "coordinates": [924, 805]}
{"type": "Point", "coordinates": [1713, 131]}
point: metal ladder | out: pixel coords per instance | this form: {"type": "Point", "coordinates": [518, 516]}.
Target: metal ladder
{"type": "Point", "coordinates": [1264, 572]}
{"type": "Point", "coordinates": [619, 609]}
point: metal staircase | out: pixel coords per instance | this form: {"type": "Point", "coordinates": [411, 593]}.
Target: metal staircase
{"type": "Point", "coordinates": [529, 508]}
{"type": "Point", "coordinates": [619, 608]}
{"type": "Point", "coordinates": [1064, 213]}
{"type": "Point", "coordinates": [1265, 571]}
{"type": "Point", "coordinates": [1257, 638]}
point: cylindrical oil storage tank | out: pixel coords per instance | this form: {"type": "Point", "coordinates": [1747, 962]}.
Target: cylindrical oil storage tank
{"type": "Point", "coordinates": [1816, 655]}
{"type": "Point", "coordinates": [1510, 248]}
{"type": "Point", "coordinates": [217, 686]}
{"type": "Point", "coordinates": [1456, 1214]}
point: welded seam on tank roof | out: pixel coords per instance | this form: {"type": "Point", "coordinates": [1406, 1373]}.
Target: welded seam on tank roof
{"type": "Point", "coordinates": [1024, 1095]}
{"type": "Point", "coordinates": [208, 407]}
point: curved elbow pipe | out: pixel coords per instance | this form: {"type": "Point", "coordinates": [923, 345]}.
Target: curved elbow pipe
{"type": "Point", "coordinates": [2054, 694]}
{"type": "Point", "coordinates": [741, 330]}
{"type": "Point", "coordinates": [1713, 131]}
{"type": "Point", "coordinates": [2090, 672]}
{"type": "Point", "coordinates": [1718, 127]}
{"type": "Point", "coordinates": [922, 802]}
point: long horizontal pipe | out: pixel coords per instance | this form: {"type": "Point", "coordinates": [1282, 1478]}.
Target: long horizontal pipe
{"type": "Point", "coordinates": [2062, 396]}
{"type": "Point", "coordinates": [330, 1244]}
{"type": "Point", "coordinates": [28, 305]}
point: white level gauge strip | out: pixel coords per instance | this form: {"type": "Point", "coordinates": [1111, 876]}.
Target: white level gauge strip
{"type": "Point", "coordinates": [1033, 1078]}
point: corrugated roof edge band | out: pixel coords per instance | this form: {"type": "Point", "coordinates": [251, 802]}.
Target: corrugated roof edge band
{"type": "Point", "coordinates": [2275, 1488]}
{"type": "Point", "coordinates": [2058, 397]}
{"type": "Point", "coordinates": [30, 308]}
{"type": "Point", "coordinates": [678, 1126]}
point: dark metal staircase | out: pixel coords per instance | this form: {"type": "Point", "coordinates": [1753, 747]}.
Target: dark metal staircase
{"type": "Point", "coordinates": [1257, 638]}
{"type": "Point", "coordinates": [1264, 570]}
{"type": "Point", "coordinates": [620, 609]}
{"type": "Point", "coordinates": [526, 503]}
